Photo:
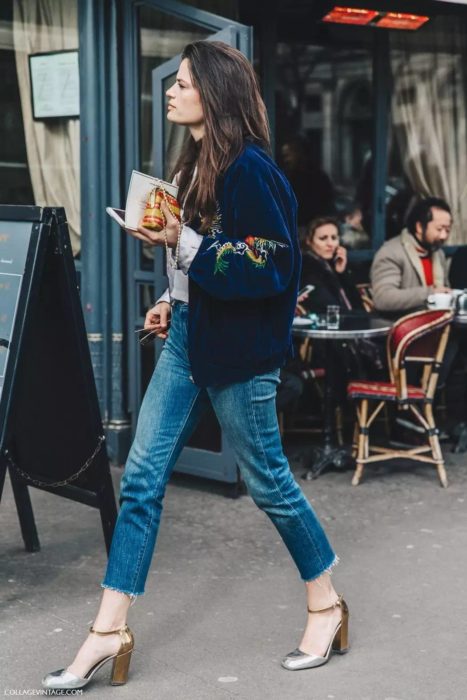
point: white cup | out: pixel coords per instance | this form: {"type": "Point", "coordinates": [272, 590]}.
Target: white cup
{"type": "Point", "coordinates": [440, 300]}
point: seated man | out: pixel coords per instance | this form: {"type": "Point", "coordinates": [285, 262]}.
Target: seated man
{"type": "Point", "coordinates": [411, 266]}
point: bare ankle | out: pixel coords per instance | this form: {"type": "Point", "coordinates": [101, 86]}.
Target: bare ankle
{"type": "Point", "coordinates": [320, 592]}
{"type": "Point", "coordinates": [113, 611]}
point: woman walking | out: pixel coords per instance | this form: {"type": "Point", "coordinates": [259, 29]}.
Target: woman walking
{"type": "Point", "coordinates": [233, 273]}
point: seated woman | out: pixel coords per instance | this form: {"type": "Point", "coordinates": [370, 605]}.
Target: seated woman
{"type": "Point", "coordinates": [325, 267]}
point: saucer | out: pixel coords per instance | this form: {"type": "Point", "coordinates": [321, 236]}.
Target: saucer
{"type": "Point", "coordinates": [300, 322]}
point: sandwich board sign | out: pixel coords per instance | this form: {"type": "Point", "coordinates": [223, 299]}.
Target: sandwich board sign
{"type": "Point", "coordinates": [51, 433]}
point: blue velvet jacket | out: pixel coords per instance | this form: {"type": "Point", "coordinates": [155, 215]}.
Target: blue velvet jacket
{"type": "Point", "coordinates": [243, 281]}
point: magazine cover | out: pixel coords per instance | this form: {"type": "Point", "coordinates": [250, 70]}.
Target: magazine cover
{"type": "Point", "coordinates": [139, 193]}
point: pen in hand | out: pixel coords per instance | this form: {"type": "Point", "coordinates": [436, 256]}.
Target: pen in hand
{"type": "Point", "coordinates": [145, 339]}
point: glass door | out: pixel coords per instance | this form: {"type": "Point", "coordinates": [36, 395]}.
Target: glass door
{"type": "Point", "coordinates": [159, 32]}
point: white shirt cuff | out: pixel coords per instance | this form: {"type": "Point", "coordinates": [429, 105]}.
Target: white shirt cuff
{"type": "Point", "coordinates": [164, 297]}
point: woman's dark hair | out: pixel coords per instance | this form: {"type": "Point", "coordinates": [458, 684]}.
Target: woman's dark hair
{"type": "Point", "coordinates": [421, 212]}
{"type": "Point", "coordinates": [321, 221]}
{"type": "Point", "coordinates": [233, 113]}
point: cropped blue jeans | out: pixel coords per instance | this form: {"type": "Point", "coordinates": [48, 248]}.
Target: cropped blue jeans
{"type": "Point", "coordinates": [169, 414]}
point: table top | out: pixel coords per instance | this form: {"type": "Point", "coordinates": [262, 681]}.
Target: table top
{"type": "Point", "coordinates": [351, 326]}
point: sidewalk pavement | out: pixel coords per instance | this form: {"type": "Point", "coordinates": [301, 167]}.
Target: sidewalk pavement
{"type": "Point", "coordinates": [224, 601]}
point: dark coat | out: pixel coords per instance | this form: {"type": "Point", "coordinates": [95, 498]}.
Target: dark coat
{"type": "Point", "coordinates": [327, 285]}
{"type": "Point", "coordinates": [243, 281]}
{"type": "Point", "coordinates": [350, 359]}
{"type": "Point", "coordinates": [458, 269]}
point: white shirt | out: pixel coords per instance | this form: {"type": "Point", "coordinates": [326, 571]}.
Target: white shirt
{"type": "Point", "coordinates": [190, 241]}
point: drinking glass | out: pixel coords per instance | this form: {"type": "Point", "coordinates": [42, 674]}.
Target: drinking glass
{"type": "Point", "coordinates": [332, 317]}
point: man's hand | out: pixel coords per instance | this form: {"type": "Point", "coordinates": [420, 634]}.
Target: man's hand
{"type": "Point", "coordinates": [340, 261]}
{"type": "Point", "coordinates": [158, 319]}
{"type": "Point", "coordinates": [442, 290]}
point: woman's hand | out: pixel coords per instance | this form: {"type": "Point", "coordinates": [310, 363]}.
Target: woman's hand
{"type": "Point", "coordinates": [157, 237]}
{"type": "Point", "coordinates": [157, 319]}
{"type": "Point", "coordinates": [340, 261]}
{"type": "Point", "coordinates": [299, 309]}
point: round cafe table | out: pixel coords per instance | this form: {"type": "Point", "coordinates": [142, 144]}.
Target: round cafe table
{"type": "Point", "coordinates": [351, 327]}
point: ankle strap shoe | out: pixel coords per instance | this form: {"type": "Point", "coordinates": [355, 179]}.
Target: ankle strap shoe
{"type": "Point", "coordinates": [64, 680]}
{"type": "Point", "coordinates": [297, 660]}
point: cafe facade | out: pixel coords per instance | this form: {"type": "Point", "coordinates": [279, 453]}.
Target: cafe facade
{"type": "Point", "coordinates": [373, 95]}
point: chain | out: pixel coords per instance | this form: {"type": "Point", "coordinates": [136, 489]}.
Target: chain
{"type": "Point", "coordinates": [73, 477]}
{"type": "Point", "coordinates": [173, 261]}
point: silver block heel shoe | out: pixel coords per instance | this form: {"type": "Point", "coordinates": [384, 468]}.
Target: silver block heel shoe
{"type": "Point", "coordinates": [339, 643]}
{"type": "Point", "coordinates": [64, 680]}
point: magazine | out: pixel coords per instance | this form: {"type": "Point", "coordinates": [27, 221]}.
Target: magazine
{"type": "Point", "coordinates": [138, 193]}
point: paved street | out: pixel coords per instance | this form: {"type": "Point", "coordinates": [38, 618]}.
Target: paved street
{"type": "Point", "coordinates": [224, 601]}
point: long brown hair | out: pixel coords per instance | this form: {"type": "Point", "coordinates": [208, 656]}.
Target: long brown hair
{"type": "Point", "coordinates": [233, 113]}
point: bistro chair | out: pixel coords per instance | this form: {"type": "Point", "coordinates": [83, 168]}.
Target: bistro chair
{"type": "Point", "coordinates": [419, 338]}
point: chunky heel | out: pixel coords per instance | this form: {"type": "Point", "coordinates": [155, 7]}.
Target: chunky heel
{"type": "Point", "coordinates": [64, 680]}
{"type": "Point", "coordinates": [339, 643]}
{"type": "Point", "coordinates": [120, 668]}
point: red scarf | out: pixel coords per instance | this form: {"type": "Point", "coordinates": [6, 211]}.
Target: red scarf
{"type": "Point", "coordinates": [427, 264]}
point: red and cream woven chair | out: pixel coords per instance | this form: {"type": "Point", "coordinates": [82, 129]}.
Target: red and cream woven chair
{"type": "Point", "coordinates": [419, 338]}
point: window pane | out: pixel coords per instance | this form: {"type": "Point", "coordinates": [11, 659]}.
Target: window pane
{"type": "Point", "coordinates": [324, 111]}
{"type": "Point", "coordinates": [428, 155]}
{"type": "Point", "coordinates": [146, 300]}
{"type": "Point", "coordinates": [39, 159]}
{"type": "Point", "coordinates": [162, 36]}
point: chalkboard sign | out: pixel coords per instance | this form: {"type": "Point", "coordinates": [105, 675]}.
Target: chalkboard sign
{"type": "Point", "coordinates": [51, 434]}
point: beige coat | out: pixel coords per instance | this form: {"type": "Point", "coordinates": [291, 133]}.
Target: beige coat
{"type": "Point", "coordinates": [397, 277]}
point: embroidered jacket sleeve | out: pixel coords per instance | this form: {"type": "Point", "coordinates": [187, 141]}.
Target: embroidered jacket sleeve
{"type": "Point", "coordinates": [253, 257]}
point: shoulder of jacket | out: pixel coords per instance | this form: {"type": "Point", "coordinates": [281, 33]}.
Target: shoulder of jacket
{"type": "Point", "coordinates": [390, 248]}
{"type": "Point", "coordinates": [313, 263]}
{"type": "Point", "coordinates": [442, 255]}
{"type": "Point", "coordinates": [253, 160]}
{"type": "Point", "coordinates": [316, 270]}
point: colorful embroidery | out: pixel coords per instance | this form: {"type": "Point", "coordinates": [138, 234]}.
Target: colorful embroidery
{"type": "Point", "coordinates": [256, 249]}
{"type": "Point", "coordinates": [216, 226]}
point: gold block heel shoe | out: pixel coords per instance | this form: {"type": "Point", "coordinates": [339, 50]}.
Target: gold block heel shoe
{"type": "Point", "coordinates": [64, 680]}
{"type": "Point", "coordinates": [339, 642]}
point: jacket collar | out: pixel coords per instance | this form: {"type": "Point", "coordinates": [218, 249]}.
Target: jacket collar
{"type": "Point", "coordinates": [409, 244]}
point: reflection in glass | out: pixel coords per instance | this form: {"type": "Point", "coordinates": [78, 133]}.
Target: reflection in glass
{"type": "Point", "coordinates": [39, 159]}
{"type": "Point", "coordinates": [162, 36]}
{"type": "Point", "coordinates": [146, 299]}
{"type": "Point", "coordinates": [428, 154]}
{"type": "Point", "coordinates": [324, 95]}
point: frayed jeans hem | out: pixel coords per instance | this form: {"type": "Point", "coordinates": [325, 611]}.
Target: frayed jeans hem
{"type": "Point", "coordinates": [132, 595]}
{"type": "Point", "coordinates": [328, 570]}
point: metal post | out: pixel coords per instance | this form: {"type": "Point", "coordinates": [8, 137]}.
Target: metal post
{"type": "Point", "coordinates": [381, 96]}
{"type": "Point", "coordinates": [268, 39]}
{"type": "Point", "coordinates": [100, 186]}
